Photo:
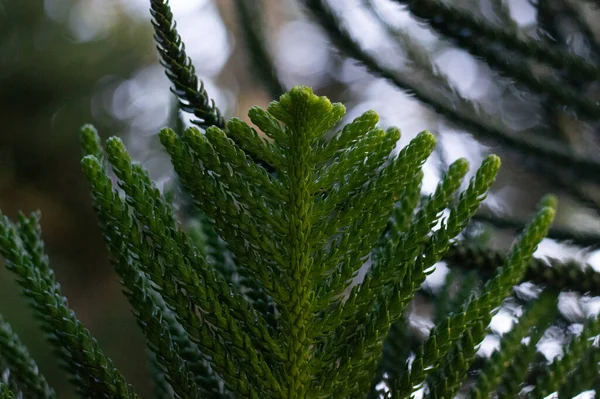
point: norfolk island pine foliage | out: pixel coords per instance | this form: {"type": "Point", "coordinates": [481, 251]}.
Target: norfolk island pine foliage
{"type": "Point", "coordinates": [299, 213]}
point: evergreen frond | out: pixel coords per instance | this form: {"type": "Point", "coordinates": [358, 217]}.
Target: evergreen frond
{"type": "Point", "coordinates": [180, 70]}
{"type": "Point", "coordinates": [532, 324]}
{"type": "Point", "coordinates": [447, 379]}
{"type": "Point", "coordinates": [5, 392]}
{"type": "Point", "coordinates": [23, 372]}
{"type": "Point", "coordinates": [461, 25]}
{"type": "Point", "coordinates": [180, 286]}
{"type": "Point", "coordinates": [289, 258]}
{"type": "Point", "coordinates": [92, 372]}
{"type": "Point", "coordinates": [479, 308]}
{"type": "Point", "coordinates": [555, 377]}
{"type": "Point", "coordinates": [470, 118]}
{"type": "Point", "coordinates": [557, 274]}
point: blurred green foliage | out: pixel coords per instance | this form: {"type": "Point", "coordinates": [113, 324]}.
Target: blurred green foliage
{"type": "Point", "coordinates": [52, 82]}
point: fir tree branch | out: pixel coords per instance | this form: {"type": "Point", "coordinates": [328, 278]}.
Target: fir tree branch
{"type": "Point", "coordinates": [94, 374]}
{"type": "Point", "coordinates": [400, 221]}
{"type": "Point", "coordinates": [534, 321]}
{"type": "Point", "coordinates": [147, 305]}
{"type": "Point", "coordinates": [460, 24]}
{"type": "Point", "coordinates": [251, 18]}
{"type": "Point", "coordinates": [5, 392]}
{"type": "Point", "coordinates": [186, 294]}
{"type": "Point", "coordinates": [345, 138]}
{"type": "Point", "coordinates": [180, 69]}
{"type": "Point", "coordinates": [466, 117]}
{"type": "Point", "coordinates": [263, 261]}
{"type": "Point", "coordinates": [581, 238]}
{"type": "Point", "coordinates": [161, 388]}
{"type": "Point", "coordinates": [584, 377]}
{"type": "Point", "coordinates": [447, 379]}
{"type": "Point", "coordinates": [479, 308]}
{"type": "Point", "coordinates": [406, 165]}
{"type": "Point", "coordinates": [390, 293]}
{"type": "Point", "coordinates": [24, 373]}
{"type": "Point", "coordinates": [518, 369]}
{"type": "Point", "coordinates": [557, 374]}
{"type": "Point", "coordinates": [556, 274]}
{"type": "Point", "coordinates": [248, 140]}
{"type": "Point", "coordinates": [502, 11]}
{"type": "Point", "coordinates": [180, 300]}
{"type": "Point", "coordinates": [514, 68]}
{"type": "Point", "coordinates": [400, 341]}
{"type": "Point", "coordinates": [149, 206]}
{"type": "Point", "coordinates": [151, 316]}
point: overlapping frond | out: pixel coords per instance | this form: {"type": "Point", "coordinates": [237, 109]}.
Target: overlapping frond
{"type": "Point", "coordinates": [93, 373]}
{"type": "Point", "coordinates": [23, 373]}
{"type": "Point", "coordinates": [289, 318]}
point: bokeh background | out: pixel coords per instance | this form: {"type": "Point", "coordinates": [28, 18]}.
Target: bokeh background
{"type": "Point", "coordinates": [64, 63]}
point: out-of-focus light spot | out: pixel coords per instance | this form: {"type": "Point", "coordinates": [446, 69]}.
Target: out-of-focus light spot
{"type": "Point", "coordinates": [144, 100]}
{"type": "Point", "coordinates": [206, 39]}
{"type": "Point", "coordinates": [522, 12]}
{"type": "Point", "coordinates": [139, 8]}
{"type": "Point", "coordinates": [502, 322]}
{"type": "Point", "coordinates": [57, 10]}
{"type": "Point", "coordinates": [551, 343]}
{"type": "Point", "coordinates": [591, 306]}
{"type": "Point", "coordinates": [556, 250]}
{"type": "Point", "coordinates": [351, 71]}
{"type": "Point", "coordinates": [436, 279]}
{"type": "Point", "coordinates": [462, 72]}
{"type": "Point", "coordinates": [569, 306]}
{"type": "Point", "coordinates": [586, 395]}
{"type": "Point", "coordinates": [92, 19]}
{"type": "Point", "coordinates": [490, 344]}
{"type": "Point", "coordinates": [302, 54]}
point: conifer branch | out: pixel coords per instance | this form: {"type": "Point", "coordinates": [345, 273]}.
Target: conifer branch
{"type": "Point", "coordinates": [161, 388]}
{"type": "Point", "coordinates": [460, 25]}
{"type": "Point", "coordinates": [180, 69]}
{"type": "Point", "coordinates": [210, 195]}
{"type": "Point", "coordinates": [513, 68]}
{"type": "Point", "coordinates": [581, 238]}
{"type": "Point", "coordinates": [518, 369]}
{"type": "Point", "coordinates": [158, 325]}
{"type": "Point", "coordinates": [93, 373]}
{"type": "Point", "coordinates": [557, 374]}
{"type": "Point", "coordinates": [151, 316]}
{"type": "Point", "coordinates": [149, 205]}
{"type": "Point", "coordinates": [185, 293]}
{"type": "Point", "coordinates": [533, 323]}
{"type": "Point", "coordinates": [447, 379]}
{"type": "Point", "coordinates": [24, 374]}
{"type": "Point", "coordinates": [349, 135]}
{"type": "Point", "coordinates": [251, 18]}
{"type": "Point", "coordinates": [400, 341]}
{"type": "Point", "coordinates": [584, 377]}
{"type": "Point", "coordinates": [5, 392]}
{"type": "Point", "coordinates": [467, 118]}
{"type": "Point", "coordinates": [248, 140]}
{"type": "Point", "coordinates": [502, 11]}
{"type": "Point", "coordinates": [554, 273]}
{"type": "Point", "coordinates": [509, 66]}
{"type": "Point", "coordinates": [389, 291]}
{"type": "Point", "coordinates": [493, 293]}
{"type": "Point", "coordinates": [400, 221]}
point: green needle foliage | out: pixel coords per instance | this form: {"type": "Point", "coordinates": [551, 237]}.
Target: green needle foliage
{"type": "Point", "coordinates": [299, 235]}
{"type": "Point", "coordinates": [260, 297]}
